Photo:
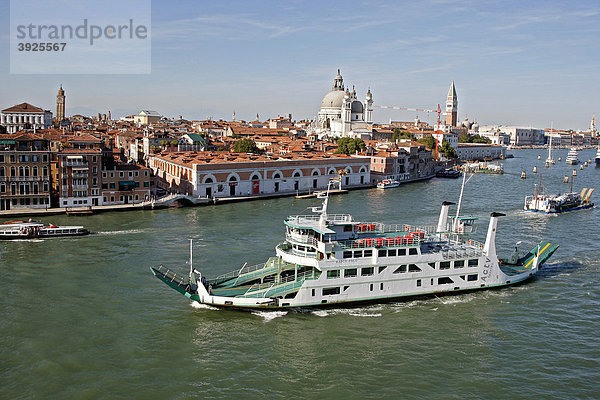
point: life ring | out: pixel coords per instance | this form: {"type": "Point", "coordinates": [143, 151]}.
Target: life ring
{"type": "Point", "coordinates": [470, 241]}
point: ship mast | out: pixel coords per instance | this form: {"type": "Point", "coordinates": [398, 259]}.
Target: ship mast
{"type": "Point", "coordinates": [462, 189]}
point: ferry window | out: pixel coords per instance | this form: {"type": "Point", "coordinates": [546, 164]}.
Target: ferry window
{"type": "Point", "coordinates": [392, 253]}
{"type": "Point", "coordinates": [368, 253]}
{"type": "Point", "coordinates": [381, 286]}
{"type": "Point", "coordinates": [347, 228]}
{"type": "Point", "coordinates": [346, 288]}
{"type": "Point", "coordinates": [401, 252]}
{"type": "Point", "coordinates": [313, 292]}
{"type": "Point", "coordinates": [472, 277]}
{"type": "Point", "coordinates": [400, 269]}
{"type": "Point", "coordinates": [367, 271]}
{"type": "Point", "coordinates": [358, 254]}
{"type": "Point", "coordinates": [330, 291]}
{"type": "Point", "coordinates": [347, 254]}
{"type": "Point", "coordinates": [371, 287]}
{"type": "Point", "coordinates": [418, 282]}
{"type": "Point", "coordinates": [444, 280]}
{"type": "Point", "coordinates": [333, 274]}
{"type": "Point", "coordinates": [432, 265]}
{"type": "Point", "coordinates": [382, 253]}
{"type": "Point", "coordinates": [445, 265]}
{"type": "Point", "coordinates": [459, 264]}
{"type": "Point", "coordinates": [350, 273]}
{"type": "Point", "coordinates": [413, 268]}
{"type": "Point", "coordinates": [473, 262]}
{"type": "Point", "coordinates": [412, 252]}
{"type": "Point", "coordinates": [381, 269]}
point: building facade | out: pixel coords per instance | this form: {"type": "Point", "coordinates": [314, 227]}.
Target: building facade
{"type": "Point", "coordinates": [479, 152]}
{"type": "Point", "coordinates": [24, 172]}
{"type": "Point", "coordinates": [232, 176]}
{"type": "Point", "coordinates": [25, 116]}
{"type": "Point", "coordinates": [126, 184]}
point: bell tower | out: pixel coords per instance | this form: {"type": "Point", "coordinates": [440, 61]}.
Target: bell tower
{"type": "Point", "coordinates": [60, 105]}
{"type": "Point", "coordinates": [451, 106]}
{"type": "Point", "coordinates": [338, 82]}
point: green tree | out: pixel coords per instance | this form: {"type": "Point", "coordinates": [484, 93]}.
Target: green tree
{"type": "Point", "coordinates": [481, 139]}
{"type": "Point", "coordinates": [428, 141]}
{"type": "Point", "coordinates": [398, 134]}
{"type": "Point", "coordinates": [465, 138]}
{"type": "Point", "coordinates": [447, 150]}
{"type": "Point", "coordinates": [349, 145]}
{"type": "Point", "coordinates": [245, 146]}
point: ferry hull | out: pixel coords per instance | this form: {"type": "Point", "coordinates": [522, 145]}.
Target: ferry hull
{"type": "Point", "coordinates": [584, 207]}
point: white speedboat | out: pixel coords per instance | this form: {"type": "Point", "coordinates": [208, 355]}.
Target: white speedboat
{"type": "Point", "coordinates": [387, 183]}
{"type": "Point", "coordinates": [33, 229]}
{"type": "Point", "coordinates": [332, 259]}
{"type": "Point", "coordinates": [572, 158]}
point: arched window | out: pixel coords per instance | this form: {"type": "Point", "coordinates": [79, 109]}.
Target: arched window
{"type": "Point", "coordinates": [35, 171]}
{"type": "Point", "coordinates": [315, 173]}
{"type": "Point", "coordinates": [232, 178]}
{"type": "Point", "coordinates": [255, 177]}
{"type": "Point", "coordinates": [1, 171]}
{"type": "Point", "coordinates": [277, 175]}
{"type": "Point", "coordinates": [331, 171]}
{"type": "Point", "coordinates": [208, 180]}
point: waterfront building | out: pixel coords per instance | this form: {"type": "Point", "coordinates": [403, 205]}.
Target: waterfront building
{"type": "Point", "coordinates": [125, 184]}
{"type": "Point", "coordinates": [60, 105]}
{"type": "Point", "coordinates": [479, 151]}
{"type": "Point", "coordinates": [207, 174]}
{"type": "Point", "coordinates": [342, 114]}
{"type": "Point", "coordinates": [25, 116]}
{"type": "Point", "coordinates": [79, 165]}
{"type": "Point", "coordinates": [496, 137]}
{"type": "Point", "coordinates": [519, 136]}
{"type": "Point", "coordinates": [391, 165]}
{"type": "Point", "coordinates": [451, 138]}
{"type": "Point", "coordinates": [24, 171]}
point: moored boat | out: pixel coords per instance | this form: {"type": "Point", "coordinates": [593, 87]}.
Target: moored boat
{"type": "Point", "coordinates": [330, 260]}
{"type": "Point", "coordinates": [33, 229]}
{"type": "Point", "coordinates": [598, 157]}
{"type": "Point", "coordinates": [387, 184]}
{"type": "Point", "coordinates": [559, 203]}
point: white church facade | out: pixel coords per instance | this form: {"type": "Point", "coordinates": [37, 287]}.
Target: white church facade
{"type": "Point", "coordinates": [342, 114]}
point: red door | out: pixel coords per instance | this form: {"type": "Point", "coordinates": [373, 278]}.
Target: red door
{"type": "Point", "coordinates": [255, 187]}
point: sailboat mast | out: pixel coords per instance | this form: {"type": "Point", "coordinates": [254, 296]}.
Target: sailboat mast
{"type": "Point", "coordinates": [462, 190]}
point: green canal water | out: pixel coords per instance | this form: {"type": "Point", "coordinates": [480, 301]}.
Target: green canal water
{"type": "Point", "coordinates": [84, 318]}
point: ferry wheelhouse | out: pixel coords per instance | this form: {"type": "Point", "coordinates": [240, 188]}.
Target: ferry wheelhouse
{"type": "Point", "coordinates": [33, 229]}
{"type": "Point", "coordinates": [332, 259]}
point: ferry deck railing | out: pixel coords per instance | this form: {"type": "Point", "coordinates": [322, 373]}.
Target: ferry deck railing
{"type": "Point", "coordinates": [261, 289]}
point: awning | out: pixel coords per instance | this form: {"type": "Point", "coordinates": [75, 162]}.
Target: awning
{"type": "Point", "coordinates": [74, 157]}
{"type": "Point", "coordinates": [126, 183]}
{"type": "Point", "coordinates": [7, 141]}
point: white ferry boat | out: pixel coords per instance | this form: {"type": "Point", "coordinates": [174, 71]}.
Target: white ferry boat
{"type": "Point", "coordinates": [558, 203]}
{"type": "Point", "coordinates": [33, 229]}
{"type": "Point", "coordinates": [387, 183]}
{"type": "Point", "coordinates": [598, 158]}
{"type": "Point", "coordinates": [572, 158]}
{"type": "Point", "coordinates": [330, 260]}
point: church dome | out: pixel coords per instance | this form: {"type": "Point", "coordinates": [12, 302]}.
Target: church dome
{"type": "Point", "coordinates": [357, 106]}
{"type": "Point", "coordinates": [333, 99]}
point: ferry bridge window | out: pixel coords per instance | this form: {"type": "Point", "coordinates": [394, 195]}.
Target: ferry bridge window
{"type": "Point", "coordinates": [413, 268]}
{"type": "Point", "coordinates": [401, 252]}
{"type": "Point", "coordinates": [459, 264]}
{"type": "Point", "coordinates": [347, 254]}
{"type": "Point", "coordinates": [382, 253]}
{"type": "Point", "coordinates": [368, 253]}
{"type": "Point", "coordinates": [333, 274]}
{"type": "Point", "coordinates": [418, 282]}
{"type": "Point", "coordinates": [392, 253]}
{"type": "Point", "coordinates": [331, 291]}
{"type": "Point", "coordinates": [444, 280]}
{"type": "Point", "coordinates": [358, 254]}
{"type": "Point", "coordinates": [400, 269]}
{"type": "Point", "coordinates": [432, 265]}
{"type": "Point", "coordinates": [472, 277]}
{"type": "Point", "coordinates": [367, 271]}
{"type": "Point", "coordinates": [350, 273]}
{"type": "Point", "coordinates": [445, 265]}
{"type": "Point", "coordinates": [412, 251]}
{"type": "Point", "coordinates": [381, 269]}
{"type": "Point", "coordinates": [473, 262]}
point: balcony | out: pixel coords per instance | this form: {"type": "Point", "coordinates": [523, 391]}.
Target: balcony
{"type": "Point", "coordinates": [79, 174]}
{"type": "Point", "coordinates": [80, 187]}
{"type": "Point", "coordinates": [24, 178]}
{"type": "Point", "coordinates": [75, 163]}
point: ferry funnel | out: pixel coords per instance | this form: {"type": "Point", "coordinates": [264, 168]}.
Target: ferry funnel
{"type": "Point", "coordinates": [441, 227]}
{"type": "Point", "coordinates": [490, 241]}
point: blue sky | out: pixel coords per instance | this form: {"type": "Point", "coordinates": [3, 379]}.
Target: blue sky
{"type": "Point", "coordinates": [513, 62]}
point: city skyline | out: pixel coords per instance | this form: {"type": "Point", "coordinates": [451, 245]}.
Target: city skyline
{"type": "Point", "coordinates": [512, 64]}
